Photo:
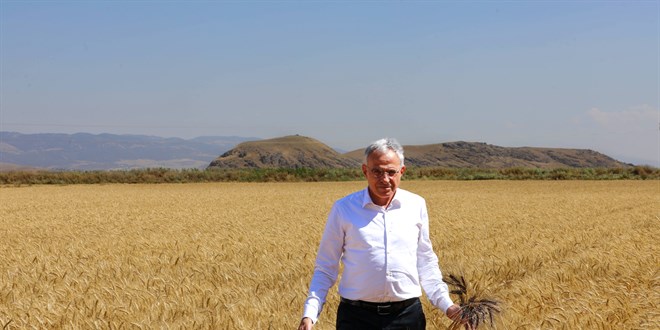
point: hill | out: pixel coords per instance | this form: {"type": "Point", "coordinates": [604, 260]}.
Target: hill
{"type": "Point", "coordinates": [288, 152]}
{"type": "Point", "coordinates": [83, 151]}
{"type": "Point", "coordinates": [481, 155]}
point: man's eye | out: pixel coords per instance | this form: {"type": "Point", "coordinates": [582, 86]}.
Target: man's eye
{"type": "Point", "coordinates": [379, 173]}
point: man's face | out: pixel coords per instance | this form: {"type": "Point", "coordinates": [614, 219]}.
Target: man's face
{"type": "Point", "coordinates": [383, 171]}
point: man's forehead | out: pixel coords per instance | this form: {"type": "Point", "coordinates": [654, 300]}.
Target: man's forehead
{"type": "Point", "coordinates": [388, 157]}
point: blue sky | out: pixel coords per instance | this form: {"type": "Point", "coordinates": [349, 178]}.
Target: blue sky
{"type": "Point", "coordinates": [512, 73]}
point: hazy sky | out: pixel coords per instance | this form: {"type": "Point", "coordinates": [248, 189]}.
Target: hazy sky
{"type": "Point", "coordinates": [512, 73]}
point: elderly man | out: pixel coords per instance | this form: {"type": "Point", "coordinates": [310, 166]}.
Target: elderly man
{"type": "Point", "coordinates": [381, 235]}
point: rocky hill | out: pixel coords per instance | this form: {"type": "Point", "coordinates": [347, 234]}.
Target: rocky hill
{"type": "Point", "coordinates": [289, 152]}
{"type": "Point", "coordinates": [481, 155]}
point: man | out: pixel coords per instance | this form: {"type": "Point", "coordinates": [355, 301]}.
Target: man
{"type": "Point", "coordinates": [381, 235]}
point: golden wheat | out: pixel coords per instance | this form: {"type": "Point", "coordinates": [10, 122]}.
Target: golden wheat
{"type": "Point", "coordinates": [568, 254]}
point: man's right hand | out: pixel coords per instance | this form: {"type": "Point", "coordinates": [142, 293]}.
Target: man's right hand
{"type": "Point", "coordinates": [305, 324]}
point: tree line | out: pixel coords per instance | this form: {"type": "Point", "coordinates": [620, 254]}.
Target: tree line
{"type": "Point", "coordinates": [166, 175]}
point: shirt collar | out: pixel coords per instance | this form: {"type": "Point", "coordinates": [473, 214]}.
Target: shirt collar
{"type": "Point", "coordinates": [366, 199]}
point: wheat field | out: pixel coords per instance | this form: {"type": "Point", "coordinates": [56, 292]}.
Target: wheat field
{"type": "Point", "coordinates": [556, 254]}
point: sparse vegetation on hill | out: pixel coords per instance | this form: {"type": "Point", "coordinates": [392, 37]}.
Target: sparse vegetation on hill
{"type": "Point", "coordinates": [286, 152]}
{"type": "Point", "coordinates": [481, 155]}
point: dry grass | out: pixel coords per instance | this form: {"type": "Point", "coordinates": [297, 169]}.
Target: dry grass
{"type": "Point", "coordinates": [569, 254]}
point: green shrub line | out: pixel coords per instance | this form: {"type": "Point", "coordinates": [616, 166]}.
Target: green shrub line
{"type": "Point", "coordinates": [165, 175]}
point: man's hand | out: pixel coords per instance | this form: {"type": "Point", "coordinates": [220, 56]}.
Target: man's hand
{"type": "Point", "coordinates": [305, 324]}
{"type": "Point", "coordinates": [454, 313]}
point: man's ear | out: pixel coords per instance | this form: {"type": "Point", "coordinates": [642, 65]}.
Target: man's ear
{"type": "Point", "coordinates": [364, 169]}
{"type": "Point", "coordinates": [403, 169]}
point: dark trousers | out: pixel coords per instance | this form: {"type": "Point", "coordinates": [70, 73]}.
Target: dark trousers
{"type": "Point", "coordinates": [351, 317]}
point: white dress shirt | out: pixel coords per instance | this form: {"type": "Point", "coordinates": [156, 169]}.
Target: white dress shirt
{"type": "Point", "coordinates": [386, 252]}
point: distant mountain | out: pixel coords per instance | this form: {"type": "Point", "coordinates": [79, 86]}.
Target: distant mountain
{"type": "Point", "coordinates": [481, 155]}
{"type": "Point", "coordinates": [4, 167]}
{"type": "Point", "coordinates": [288, 152]}
{"type": "Point", "coordinates": [84, 151]}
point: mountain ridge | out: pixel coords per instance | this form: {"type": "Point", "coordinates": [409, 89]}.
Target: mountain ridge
{"type": "Point", "coordinates": [270, 153]}
{"type": "Point", "coordinates": [85, 151]}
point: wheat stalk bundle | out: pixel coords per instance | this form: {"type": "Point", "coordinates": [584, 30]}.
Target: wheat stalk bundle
{"type": "Point", "coordinates": [474, 310]}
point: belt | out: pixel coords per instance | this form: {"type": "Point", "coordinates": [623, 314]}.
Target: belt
{"type": "Point", "coordinates": [385, 308]}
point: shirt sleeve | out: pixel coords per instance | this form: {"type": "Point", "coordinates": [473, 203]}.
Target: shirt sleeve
{"type": "Point", "coordinates": [326, 269]}
{"type": "Point", "coordinates": [429, 270]}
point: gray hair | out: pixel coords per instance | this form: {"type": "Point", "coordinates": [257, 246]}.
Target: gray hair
{"type": "Point", "coordinates": [383, 145]}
